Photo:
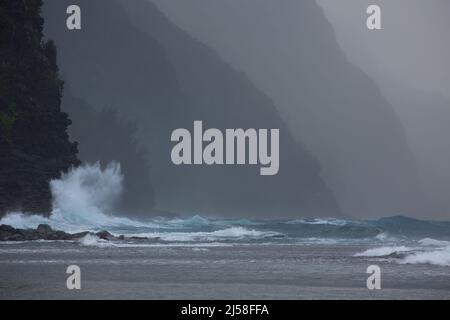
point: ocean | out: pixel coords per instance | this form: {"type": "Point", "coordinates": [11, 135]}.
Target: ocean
{"type": "Point", "coordinates": [400, 239]}
{"type": "Point", "coordinates": [199, 257]}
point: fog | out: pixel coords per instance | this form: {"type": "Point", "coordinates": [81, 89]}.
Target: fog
{"type": "Point", "coordinates": [130, 58]}
{"type": "Point", "coordinates": [409, 61]}
{"type": "Point", "coordinates": [325, 79]}
{"type": "Point", "coordinates": [363, 115]}
{"type": "Point", "coordinates": [413, 47]}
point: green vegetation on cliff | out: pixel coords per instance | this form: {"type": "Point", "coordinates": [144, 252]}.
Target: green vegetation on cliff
{"type": "Point", "coordinates": [34, 145]}
{"type": "Point", "coordinates": [7, 120]}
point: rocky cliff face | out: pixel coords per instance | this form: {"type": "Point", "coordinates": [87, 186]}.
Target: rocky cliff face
{"type": "Point", "coordinates": [34, 145]}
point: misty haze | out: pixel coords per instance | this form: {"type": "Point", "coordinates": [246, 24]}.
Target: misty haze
{"type": "Point", "coordinates": [217, 149]}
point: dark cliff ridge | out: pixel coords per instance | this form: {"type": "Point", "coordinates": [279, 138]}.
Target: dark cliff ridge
{"type": "Point", "coordinates": [289, 49]}
{"type": "Point", "coordinates": [164, 79]}
{"type": "Point", "coordinates": [34, 145]}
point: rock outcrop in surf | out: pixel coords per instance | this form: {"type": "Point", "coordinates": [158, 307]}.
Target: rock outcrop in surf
{"type": "Point", "coordinates": [45, 232]}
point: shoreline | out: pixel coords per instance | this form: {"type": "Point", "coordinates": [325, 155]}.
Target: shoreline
{"type": "Point", "coordinates": [37, 270]}
{"type": "Point", "coordinates": [45, 232]}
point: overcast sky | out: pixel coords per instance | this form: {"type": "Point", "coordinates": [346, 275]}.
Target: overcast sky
{"type": "Point", "coordinates": [413, 48]}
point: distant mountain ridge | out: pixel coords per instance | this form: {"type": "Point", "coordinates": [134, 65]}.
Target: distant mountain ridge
{"type": "Point", "coordinates": [289, 50]}
{"type": "Point", "coordinates": [164, 79]}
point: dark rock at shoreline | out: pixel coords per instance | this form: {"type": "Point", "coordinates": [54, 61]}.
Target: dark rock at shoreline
{"type": "Point", "coordinates": [44, 229]}
{"type": "Point", "coordinates": [105, 235]}
{"type": "Point", "coordinates": [45, 232]}
{"type": "Point", "coordinates": [80, 235]}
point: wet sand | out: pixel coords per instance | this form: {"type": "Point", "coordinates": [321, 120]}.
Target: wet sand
{"type": "Point", "coordinates": [38, 271]}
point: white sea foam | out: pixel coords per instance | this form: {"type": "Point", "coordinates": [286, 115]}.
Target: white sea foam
{"type": "Point", "coordinates": [81, 199]}
{"type": "Point", "coordinates": [232, 233]}
{"type": "Point", "coordinates": [437, 252]}
{"type": "Point", "coordinates": [173, 245]}
{"type": "Point", "coordinates": [386, 237]}
{"type": "Point", "coordinates": [434, 243]}
{"type": "Point", "coordinates": [321, 241]}
{"type": "Point", "coordinates": [440, 257]}
{"type": "Point", "coordinates": [384, 251]}
{"type": "Point", "coordinates": [83, 196]}
{"type": "Point", "coordinates": [325, 221]}
{"type": "Point", "coordinates": [430, 251]}
{"type": "Point", "coordinates": [198, 220]}
{"type": "Point", "coordinates": [93, 241]}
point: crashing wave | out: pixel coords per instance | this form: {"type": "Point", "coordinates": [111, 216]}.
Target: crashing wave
{"type": "Point", "coordinates": [440, 257]}
{"type": "Point", "coordinates": [325, 221]}
{"type": "Point", "coordinates": [85, 197]}
{"type": "Point", "coordinates": [80, 199]}
{"type": "Point", "coordinates": [91, 240]}
{"type": "Point", "coordinates": [427, 251]}
{"type": "Point", "coordinates": [384, 251]}
{"type": "Point", "coordinates": [232, 233]}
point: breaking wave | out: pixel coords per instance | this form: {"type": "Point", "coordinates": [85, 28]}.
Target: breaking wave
{"type": "Point", "coordinates": [232, 233]}
{"type": "Point", "coordinates": [384, 251]}
{"type": "Point", "coordinates": [91, 240]}
{"type": "Point", "coordinates": [427, 251]}
{"type": "Point", "coordinates": [84, 199]}
{"type": "Point", "coordinates": [81, 199]}
{"type": "Point", "coordinates": [440, 257]}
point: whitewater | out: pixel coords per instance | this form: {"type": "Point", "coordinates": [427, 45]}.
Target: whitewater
{"type": "Point", "coordinates": [85, 197]}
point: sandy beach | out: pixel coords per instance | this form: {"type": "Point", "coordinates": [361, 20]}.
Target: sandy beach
{"type": "Point", "coordinates": [37, 270]}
